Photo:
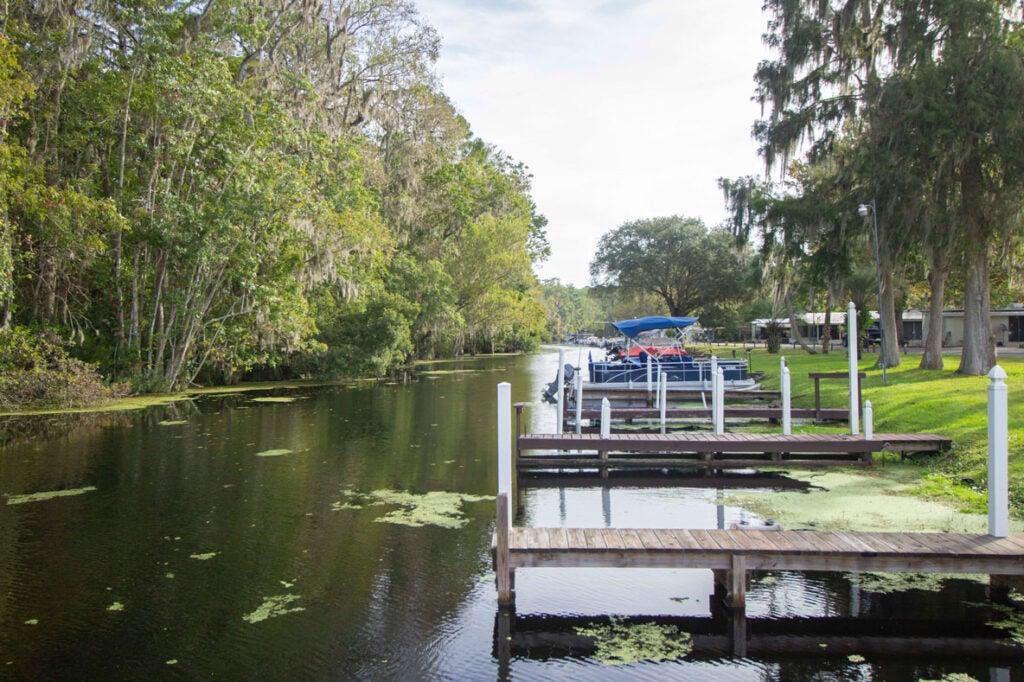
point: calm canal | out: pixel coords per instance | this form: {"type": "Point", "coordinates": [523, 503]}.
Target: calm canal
{"type": "Point", "coordinates": [344, 533]}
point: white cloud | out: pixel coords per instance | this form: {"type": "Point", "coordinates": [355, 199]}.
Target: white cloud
{"type": "Point", "coordinates": [622, 110]}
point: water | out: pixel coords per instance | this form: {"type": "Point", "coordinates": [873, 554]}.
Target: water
{"type": "Point", "coordinates": [239, 538]}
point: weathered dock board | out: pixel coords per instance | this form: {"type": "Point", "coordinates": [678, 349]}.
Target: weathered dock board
{"type": "Point", "coordinates": [737, 551]}
{"type": "Point", "coordinates": [581, 450]}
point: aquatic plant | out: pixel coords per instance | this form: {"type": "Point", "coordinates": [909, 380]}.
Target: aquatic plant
{"type": "Point", "coordinates": [622, 643]}
{"type": "Point", "coordinates": [274, 453]}
{"type": "Point", "coordinates": [48, 495]}
{"type": "Point", "coordinates": [437, 508]}
{"type": "Point", "coordinates": [1011, 621]}
{"type": "Point", "coordinates": [203, 557]}
{"type": "Point", "coordinates": [273, 607]}
{"type": "Point", "coordinates": [888, 583]}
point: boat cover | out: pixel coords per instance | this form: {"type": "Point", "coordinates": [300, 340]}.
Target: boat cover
{"type": "Point", "coordinates": [630, 328]}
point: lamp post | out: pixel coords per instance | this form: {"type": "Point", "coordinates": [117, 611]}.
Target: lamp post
{"type": "Point", "coordinates": [863, 210]}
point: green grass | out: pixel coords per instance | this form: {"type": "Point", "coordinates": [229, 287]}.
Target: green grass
{"type": "Point", "coordinates": [919, 401]}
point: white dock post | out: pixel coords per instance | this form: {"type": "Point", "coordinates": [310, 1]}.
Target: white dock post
{"type": "Point", "coordinates": [714, 367]}
{"type": "Point", "coordinates": [561, 391]}
{"type": "Point", "coordinates": [787, 418]}
{"type": "Point", "coordinates": [650, 376]}
{"type": "Point", "coordinates": [852, 350]}
{"type": "Point", "coordinates": [869, 421]}
{"type": "Point", "coordinates": [718, 401]}
{"type": "Point", "coordinates": [998, 450]}
{"type": "Point", "coordinates": [662, 397]}
{"type": "Point", "coordinates": [503, 521]}
{"type": "Point", "coordinates": [579, 402]}
{"type": "Point", "coordinates": [606, 417]}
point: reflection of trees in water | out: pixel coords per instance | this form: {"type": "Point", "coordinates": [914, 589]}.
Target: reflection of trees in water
{"type": "Point", "coordinates": [23, 428]}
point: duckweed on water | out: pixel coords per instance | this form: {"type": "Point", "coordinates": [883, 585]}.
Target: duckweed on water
{"type": "Point", "coordinates": [1011, 622]}
{"type": "Point", "coordinates": [619, 643]}
{"type": "Point", "coordinates": [39, 497]}
{"type": "Point", "coordinates": [436, 508]}
{"type": "Point", "coordinates": [858, 501]}
{"type": "Point", "coordinates": [855, 658]}
{"type": "Point", "coordinates": [274, 453]}
{"type": "Point", "coordinates": [275, 399]}
{"type": "Point", "coordinates": [889, 583]}
{"type": "Point", "coordinates": [172, 422]}
{"type": "Point", "coordinates": [273, 607]}
{"type": "Point", "coordinates": [203, 557]}
{"type": "Point", "coordinates": [116, 606]}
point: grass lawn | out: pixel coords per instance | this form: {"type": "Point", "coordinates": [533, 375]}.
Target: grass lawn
{"type": "Point", "coordinates": [918, 401]}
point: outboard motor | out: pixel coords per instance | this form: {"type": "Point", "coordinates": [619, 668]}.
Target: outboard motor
{"type": "Point", "coordinates": [551, 392]}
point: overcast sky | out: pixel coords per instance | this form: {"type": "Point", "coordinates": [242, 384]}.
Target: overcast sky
{"type": "Point", "coordinates": [621, 109]}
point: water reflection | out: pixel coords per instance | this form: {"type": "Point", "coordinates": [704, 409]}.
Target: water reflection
{"type": "Point", "coordinates": [196, 557]}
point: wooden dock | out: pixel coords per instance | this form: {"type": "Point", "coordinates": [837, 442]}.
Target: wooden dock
{"type": "Point", "coordinates": [730, 450]}
{"type": "Point", "coordinates": [732, 553]}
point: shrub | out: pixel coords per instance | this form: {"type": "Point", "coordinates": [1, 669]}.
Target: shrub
{"type": "Point", "coordinates": [36, 371]}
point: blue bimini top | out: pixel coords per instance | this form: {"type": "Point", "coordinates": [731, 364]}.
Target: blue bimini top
{"type": "Point", "coordinates": [631, 328]}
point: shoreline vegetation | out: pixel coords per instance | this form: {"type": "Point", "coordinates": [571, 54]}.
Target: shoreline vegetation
{"type": "Point", "coordinates": [912, 401]}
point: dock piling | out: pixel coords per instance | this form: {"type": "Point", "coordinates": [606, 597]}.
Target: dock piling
{"type": "Point", "coordinates": [998, 450]}
{"type": "Point", "coordinates": [852, 347]}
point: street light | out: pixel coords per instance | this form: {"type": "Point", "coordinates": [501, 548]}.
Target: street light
{"type": "Point", "coordinates": [864, 210]}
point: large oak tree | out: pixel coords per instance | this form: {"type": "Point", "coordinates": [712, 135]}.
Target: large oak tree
{"type": "Point", "coordinates": [677, 259]}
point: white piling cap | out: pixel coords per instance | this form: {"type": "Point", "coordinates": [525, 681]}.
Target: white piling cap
{"type": "Point", "coordinates": [997, 373]}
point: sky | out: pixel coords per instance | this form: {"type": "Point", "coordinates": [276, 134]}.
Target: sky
{"type": "Point", "coordinates": [621, 109]}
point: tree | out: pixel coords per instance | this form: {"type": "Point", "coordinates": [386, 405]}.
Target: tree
{"type": "Point", "coordinates": [676, 259]}
{"type": "Point", "coordinates": [958, 64]}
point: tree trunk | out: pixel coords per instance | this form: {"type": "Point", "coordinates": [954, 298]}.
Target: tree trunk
{"type": "Point", "coordinates": [890, 354]}
{"type": "Point", "coordinates": [979, 351]}
{"type": "Point", "coordinates": [794, 328]}
{"type": "Point", "coordinates": [932, 357]}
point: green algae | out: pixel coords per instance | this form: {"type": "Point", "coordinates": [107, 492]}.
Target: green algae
{"type": "Point", "coordinates": [841, 500]}
{"type": "Point", "coordinates": [889, 583]}
{"type": "Point", "coordinates": [855, 658]}
{"type": "Point", "coordinates": [32, 621]}
{"type": "Point", "coordinates": [1010, 621]}
{"type": "Point", "coordinates": [953, 677]}
{"type": "Point", "coordinates": [116, 606]}
{"type": "Point", "coordinates": [273, 607]}
{"type": "Point", "coordinates": [48, 495]}
{"type": "Point", "coordinates": [621, 643]}
{"type": "Point", "coordinates": [436, 508]}
{"type": "Point", "coordinates": [276, 399]}
{"type": "Point", "coordinates": [203, 557]}
{"type": "Point", "coordinates": [274, 453]}
{"type": "Point", "coordinates": [172, 422]}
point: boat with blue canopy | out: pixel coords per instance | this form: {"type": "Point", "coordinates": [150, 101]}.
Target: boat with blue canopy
{"type": "Point", "coordinates": [645, 356]}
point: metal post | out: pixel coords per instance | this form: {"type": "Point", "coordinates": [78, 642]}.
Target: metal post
{"type": "Point", "coordinates": [878, 271]}
{"type": "Point", "coordinates": [851, 349]}
{"type": "Point", "coordinates": [998, 450]}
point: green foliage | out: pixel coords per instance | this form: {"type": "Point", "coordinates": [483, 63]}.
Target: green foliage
{"type": "Point", "coordinates": [676, 259]}
{"type": "Point", "coordinates": [35, 371]}
{"type": "Point", "coordinates": [209, 197]}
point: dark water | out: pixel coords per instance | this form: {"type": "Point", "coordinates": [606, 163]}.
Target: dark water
{"type": "Point", "coordinates": [236, 538]}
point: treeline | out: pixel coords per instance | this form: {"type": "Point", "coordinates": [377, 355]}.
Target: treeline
{"type": "Point", "coordinates": [206, 190]}
{"type": "Point", "coordinates": [898, 136]}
